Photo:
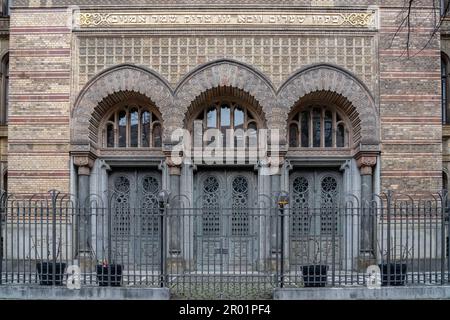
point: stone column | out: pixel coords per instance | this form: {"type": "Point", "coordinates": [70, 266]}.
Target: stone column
{"type": "Point", "coordinates": [84, 245]}
{"type": "Point", "coordinates": [366, 163]}
{"type": "Point", "coordinates": [174, 229]}
{"type": "Point", "coordinates": [286, 169]}
{"type": "Point", "coordinates": [264, 203]}
{"type": "Point", "coordinates": [279, 176]}
{"type": "Point", "coordinates": [187, 220]}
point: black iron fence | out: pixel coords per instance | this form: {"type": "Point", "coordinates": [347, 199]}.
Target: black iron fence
{"type": "Point", "coordinates": [216, 252]}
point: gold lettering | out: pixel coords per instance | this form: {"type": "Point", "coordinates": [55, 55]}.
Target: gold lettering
{"type": "Point", "coordinates": [178, 18]}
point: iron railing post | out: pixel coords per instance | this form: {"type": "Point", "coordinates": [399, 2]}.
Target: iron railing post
{"type": "Point", "coordinates": [281, 206]}
{"type": "Point", "coordinates": [334, 225]}
{"type": "Point", "coordinates": [446, 232]}
{"type": "Point", "coordinates": [54, 194]}
{"type": "Point", "coordinates": [109, 254]}
{"type": "Point", "coordinates": [388, 231]}
{"type": "Point", "coordinates": [2, 211]}
{"type": "Point", "coordinates": [443, 249]}
{"type": "Point", "coordinates": [162, 209]}
{"type": "Point", "coordinates": [283, 200]}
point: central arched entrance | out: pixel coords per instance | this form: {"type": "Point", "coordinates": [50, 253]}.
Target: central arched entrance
{"type": "Point", "coordinates": [226, 231]}
{"type": "Point", "coordinates": [226, 236]}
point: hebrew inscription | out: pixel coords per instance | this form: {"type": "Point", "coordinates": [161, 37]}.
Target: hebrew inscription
{"type": "Point", "coordinates": [299, 19]}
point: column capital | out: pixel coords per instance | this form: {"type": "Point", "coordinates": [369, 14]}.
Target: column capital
{"type": "Point", "coordinates": [84, 163]}
{"type": "Point", "coordinates": [174, 168]}
{"type": "Point", "coordinates": [366, 164]}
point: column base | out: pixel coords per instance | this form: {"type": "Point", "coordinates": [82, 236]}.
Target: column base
{"type": "Point", "coordinates": [272, 263]}
{"type": "Point", "coordinates": [86, 260]}
{"type": "Point", "coordinates": [176, 264]}
{"type": "Point", "coordinates": [365, 260]}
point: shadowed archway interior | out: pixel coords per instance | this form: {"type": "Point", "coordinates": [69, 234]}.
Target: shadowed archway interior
{"type": "Point", "coordinates": [332, 100]}
{"type": "Point", "coordinates": [111, 102]}
{"type": "Point", "coordinates": [225, 93]}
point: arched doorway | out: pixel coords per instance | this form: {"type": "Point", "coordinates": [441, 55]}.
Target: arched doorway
{"type": "Point", "coordinates": [226, 233]}
{"type": "Point", "coordinates": [129, 136]}
{"type": "Point", "coordinates": [324, 126]}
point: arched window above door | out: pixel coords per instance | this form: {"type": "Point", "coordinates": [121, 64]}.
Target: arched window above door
{"type": "Point", "coordinates": [224, 108]}
{"type": "Point", "coordinates": [318, 126]}
{"type": "Point", "coordinates": [133, 126]}
{"type": "Point", "coordinates": [227, 114]}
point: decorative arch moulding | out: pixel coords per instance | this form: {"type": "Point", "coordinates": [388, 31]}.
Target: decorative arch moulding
{"type": "Point", "coordinates": [174, 103]}
{"type": "Point", "coordinates": [360, 19]}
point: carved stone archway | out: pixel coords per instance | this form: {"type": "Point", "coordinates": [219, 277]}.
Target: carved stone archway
{"type": "Point", "coordinates": [226, 73]}
{"type": "Point", "coordinates": [123, 78]}
{"type": "Point", "coordinates": [333, 79]}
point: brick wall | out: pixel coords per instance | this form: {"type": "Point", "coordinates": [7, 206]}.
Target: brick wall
{"type": "Point", "coordinates": [40, 63]}
{"type": "Point", "coordinates": [410, 106]}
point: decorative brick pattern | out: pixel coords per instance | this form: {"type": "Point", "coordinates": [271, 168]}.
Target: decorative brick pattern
{"type": "Point", "coordinates": [275, 56]}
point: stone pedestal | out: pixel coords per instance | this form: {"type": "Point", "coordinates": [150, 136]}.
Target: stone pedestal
{"type": "Point", "coordinates": [86, 261]}
{"type": "Point", "coordinates": [176, 264]}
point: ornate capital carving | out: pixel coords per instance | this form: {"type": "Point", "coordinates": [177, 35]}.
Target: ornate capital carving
{"type": "Point", "coordinates": [104, 165]}
{"type": "Point", "coordinates": [84, 163]}
{"type": "Point", "coordinates": [345, 166]}
{"type": "Point", "coordinates": [262, 164]}
{"type": "Point", "coordinates": [366, 164]}
{"type": "Point", "coordinates": [288, 165]}
{"type": "Point", "coordinates": [174, 168]}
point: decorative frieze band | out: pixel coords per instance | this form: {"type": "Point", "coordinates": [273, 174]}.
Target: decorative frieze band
{"type": "Point", "coordinates": [298, 18]}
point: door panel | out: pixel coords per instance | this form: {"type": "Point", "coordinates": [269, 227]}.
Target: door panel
{"type": "Point", "coordinates": [135, 216]}
{"type": "Point", "coordinates": [225, 238]}
{"type": "Point", "coordinates": [314, 226]}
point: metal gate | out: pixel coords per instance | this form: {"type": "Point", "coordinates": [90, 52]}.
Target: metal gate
{"type": "Point", "coordinates": [410, 242]}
